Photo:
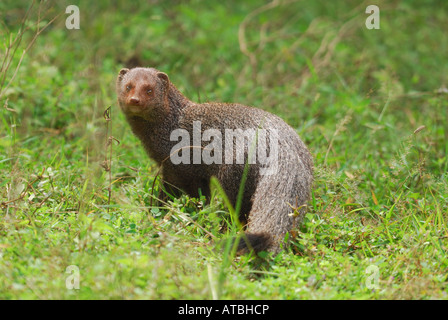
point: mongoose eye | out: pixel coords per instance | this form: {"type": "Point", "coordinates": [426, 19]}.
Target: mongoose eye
{"type": "Point", "coordinates": [149, 91]}
{"type": "Point", "coordinates": [128, 88]}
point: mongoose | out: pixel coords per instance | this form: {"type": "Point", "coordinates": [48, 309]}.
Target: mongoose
{"type": "Point", "coordinates": [275, 185]}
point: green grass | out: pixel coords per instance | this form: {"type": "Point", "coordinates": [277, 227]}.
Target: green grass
{"type": "Point", "coordinates": [378, 213]}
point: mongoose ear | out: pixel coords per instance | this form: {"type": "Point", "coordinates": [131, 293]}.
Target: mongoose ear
{"type": "Point", "coordinates": [164, 77]}
{"type": "Point", "coordinates": [122, 73]}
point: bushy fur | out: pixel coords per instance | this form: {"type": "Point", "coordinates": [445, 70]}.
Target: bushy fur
{"type": "Point", "coordinates": [154, 108]}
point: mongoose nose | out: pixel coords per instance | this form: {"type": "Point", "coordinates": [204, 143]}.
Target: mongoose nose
{"type": "Point", "coordinates": [134, 100]}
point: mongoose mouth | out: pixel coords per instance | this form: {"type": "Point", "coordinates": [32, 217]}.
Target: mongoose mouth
{"type": "Point", "coordinates": [135, 110]}
{"type": "Point", "coordinates": [138, 111]}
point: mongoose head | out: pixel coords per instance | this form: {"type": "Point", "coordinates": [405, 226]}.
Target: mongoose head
{"type": "Point", "coordinates": [143, 92]}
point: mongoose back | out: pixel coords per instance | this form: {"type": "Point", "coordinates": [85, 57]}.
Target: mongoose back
{"type": "Point", "coordinates": [195, 141]}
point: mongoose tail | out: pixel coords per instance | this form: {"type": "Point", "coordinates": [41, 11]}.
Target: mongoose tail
{"type": "Point", "coordinates": [254, 242]}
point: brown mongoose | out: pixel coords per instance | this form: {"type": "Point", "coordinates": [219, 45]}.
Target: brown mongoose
{"type": "Point", "coordinates": [279, 170]}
